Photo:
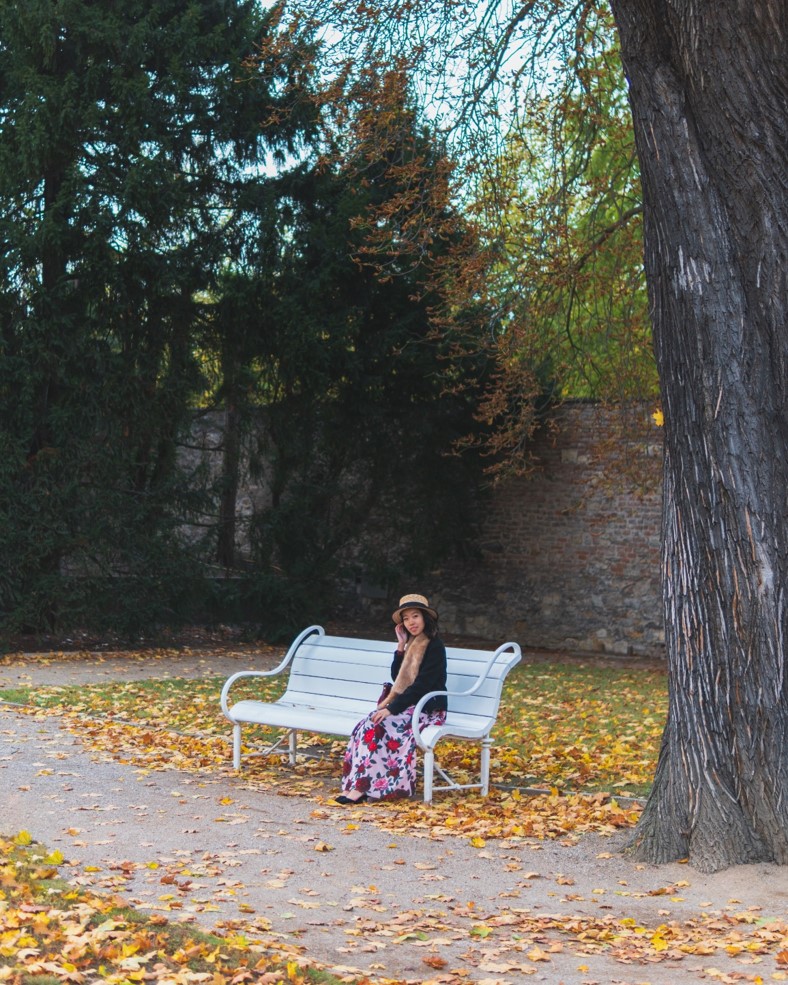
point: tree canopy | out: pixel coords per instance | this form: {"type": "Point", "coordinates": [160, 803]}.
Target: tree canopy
{"type": "Point", "coordinates": [175, 240]}
{"type": "Point", "coordinates": [530, 103]}
{"type": "Point", "coordinates": [346, 393]}
{"type": "Point", "coordinates": [124, 135]}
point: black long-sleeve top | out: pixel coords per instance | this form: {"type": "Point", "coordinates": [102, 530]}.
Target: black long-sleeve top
{"type": "Point", "coordinates": [431, 677]}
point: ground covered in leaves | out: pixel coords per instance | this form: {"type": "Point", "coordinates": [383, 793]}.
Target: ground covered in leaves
{"type": "Point", "coordinates": [576, 745]}
{"type": "Point", "coordinates": [569, 727]}
{"type": "Point", "coordinates": [51, 932]}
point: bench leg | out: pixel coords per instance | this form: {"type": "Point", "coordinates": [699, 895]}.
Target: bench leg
{"type": "Point", "coordinates": [293, 743]}
{"type": "Point", "coordinates": [237, 746]}
{"type": "Point", "coordinates": [429, 767]}
{"type": "Point", "coordinates": [485, 765]}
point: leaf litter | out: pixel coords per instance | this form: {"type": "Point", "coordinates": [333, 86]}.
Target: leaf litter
{"type": "Point", "coordinates": [561, 733]}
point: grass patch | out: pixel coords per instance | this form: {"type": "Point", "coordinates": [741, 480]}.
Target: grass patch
{"type": "Point", "coordinates": [185, 705]}
{"type": "Point", "coordinates": [17, 696]}
{"type": "Point", "coordinates": [574, 727]}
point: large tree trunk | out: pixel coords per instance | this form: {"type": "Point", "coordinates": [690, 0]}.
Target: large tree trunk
{"type": "Point", "coordinates": [710, 107]}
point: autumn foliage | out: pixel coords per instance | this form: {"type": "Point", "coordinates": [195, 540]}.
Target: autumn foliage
{"type": "Point", "coordinates": [49, 928]}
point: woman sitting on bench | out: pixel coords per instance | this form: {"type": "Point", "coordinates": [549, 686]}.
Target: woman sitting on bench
{"type": "Point", "coordinates": [380, 760]}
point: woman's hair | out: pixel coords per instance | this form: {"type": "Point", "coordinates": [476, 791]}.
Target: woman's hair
{"type": "Point", "coordinates": [430, 626]}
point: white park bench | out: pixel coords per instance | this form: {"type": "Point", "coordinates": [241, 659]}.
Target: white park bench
{"type": "Point", "coordinates": [335, 681]}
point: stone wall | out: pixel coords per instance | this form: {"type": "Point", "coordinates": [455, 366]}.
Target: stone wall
{"type": "Point", "coordinates": [570, 556]}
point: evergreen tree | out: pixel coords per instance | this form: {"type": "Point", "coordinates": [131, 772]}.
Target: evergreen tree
{"type": "Point", "coordinates": [127, 132]}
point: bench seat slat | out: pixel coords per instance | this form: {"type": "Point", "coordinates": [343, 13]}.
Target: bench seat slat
{"type": "Point", "coordinates": [285, 714]}
{"type": "Point", "coordinates": [464, 707]}
{"type": "Point", "coordinates": [280, 714]}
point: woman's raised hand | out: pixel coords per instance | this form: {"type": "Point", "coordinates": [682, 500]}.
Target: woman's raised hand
{"type": "Point", "coordinates": [402, 635]}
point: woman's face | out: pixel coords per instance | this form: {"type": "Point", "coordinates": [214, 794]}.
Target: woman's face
{"type": "Point", "coordinates": [413, 621]}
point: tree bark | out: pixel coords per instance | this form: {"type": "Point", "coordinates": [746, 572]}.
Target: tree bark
{"type": "Point", "coordinates": [710, 107]}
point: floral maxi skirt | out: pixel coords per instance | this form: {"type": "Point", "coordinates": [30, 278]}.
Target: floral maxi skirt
{"type": "Point", "coordinates": [380, 760]}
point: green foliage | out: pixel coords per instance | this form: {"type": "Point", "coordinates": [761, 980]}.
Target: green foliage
{"type": "Point", "coordinates": [573, 242]}
{"type": "Point", "coordinates": [127, 134]}
{"type": "Point", "coordinates": [531, 102]}
{"type": "Point", "coordinates": [561, 209]}
{"type": "Point", "coordinates": [154, 261]}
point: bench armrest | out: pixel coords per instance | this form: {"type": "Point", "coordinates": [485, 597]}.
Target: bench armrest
{"type": "Point", "coordinates": [417, 711]}
{"type": "Point", "coordinates": [503, 648]}
{"type": "Point", "coordinates": [310, 631]}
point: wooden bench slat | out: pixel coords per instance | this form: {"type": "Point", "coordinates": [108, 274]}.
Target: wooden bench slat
{"type": "Point", "coordinates": [287, 716]}
{"type": "Point", "coordinates": [469, 661]}
{"type": "Point", "coordinates": [307, 689]}
{"type": "Point", "coordinates": [347, 644]}
{"type": "Point", "coordinates": [355, 665]}
{"type": "Point", "coordinates": [383, 654]}
{"type": "Point", "coordinates": [341, 671]}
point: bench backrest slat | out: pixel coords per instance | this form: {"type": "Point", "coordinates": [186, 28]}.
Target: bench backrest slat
{"type": "Point", "coordinates": [358, 705]}
{"type": "Point", "coordinates": [348, 644]}
{"type": "Point", "coordinates": [348, 673]}
{"type": "Point", "coordinates": [364, 697]}
{"type": "Point", "coordinates": [338, 678]}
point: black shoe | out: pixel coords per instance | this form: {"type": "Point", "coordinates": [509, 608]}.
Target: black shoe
{"type": "Point", "coordinates": [342, 799]}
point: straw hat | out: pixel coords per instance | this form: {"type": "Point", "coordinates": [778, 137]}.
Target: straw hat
{"type": "Point", "coordinates": [412, 602]}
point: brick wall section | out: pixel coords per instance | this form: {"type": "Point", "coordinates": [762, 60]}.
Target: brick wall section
{"type": "Point", "coordinates": [570, 555]}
